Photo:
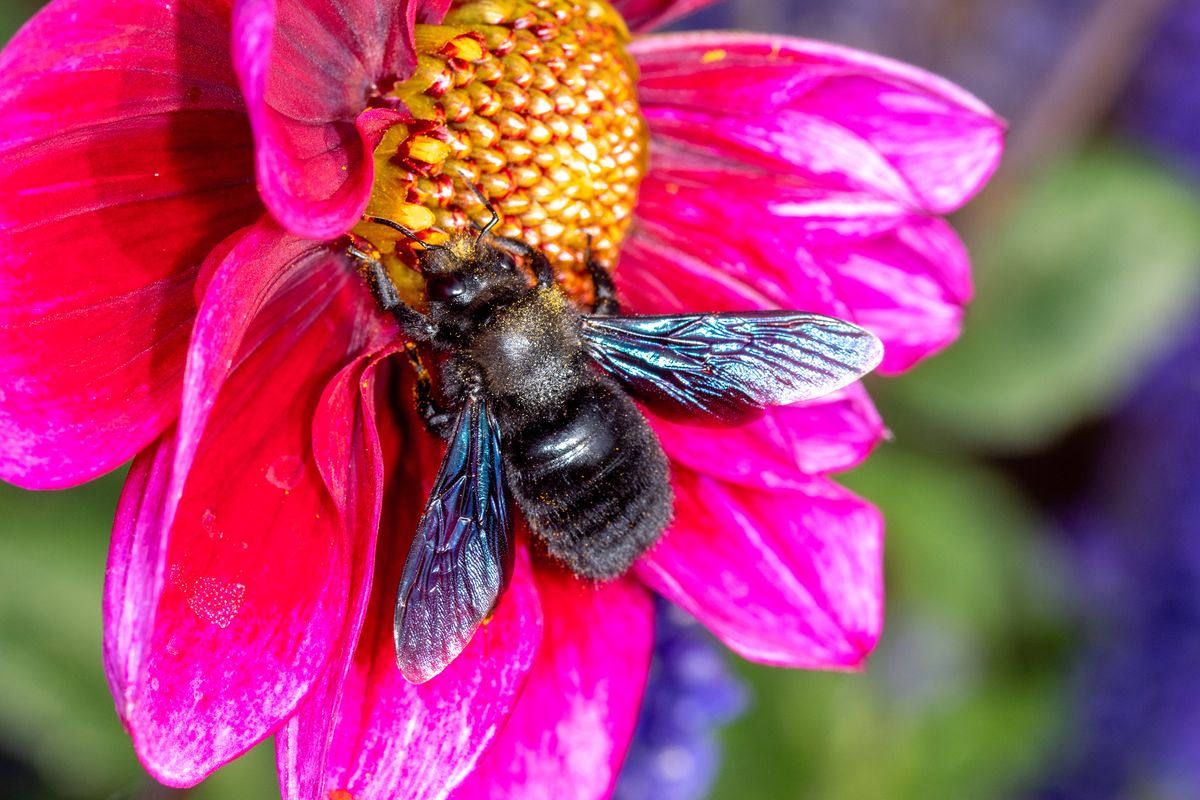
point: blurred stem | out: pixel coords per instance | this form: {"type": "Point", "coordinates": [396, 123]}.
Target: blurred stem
{"type": "Point", "coordinates": [1078, 93]}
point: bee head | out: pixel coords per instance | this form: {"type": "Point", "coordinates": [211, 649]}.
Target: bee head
{"type": "Point", "coordinates": [467, 280]}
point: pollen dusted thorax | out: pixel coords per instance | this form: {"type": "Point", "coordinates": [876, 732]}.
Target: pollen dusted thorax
{"type": "Point", "coordinates": [580, 459]}
{"type": "Point", "coordinates": [534, 103]}
{"type": "Point", "coordinates": [532, 351]}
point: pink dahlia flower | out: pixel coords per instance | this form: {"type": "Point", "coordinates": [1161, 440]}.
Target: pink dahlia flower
{"type": "Point", "coordinates": [201, 160]}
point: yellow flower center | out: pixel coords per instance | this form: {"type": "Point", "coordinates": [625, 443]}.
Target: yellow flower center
{"type": "Point", "coordinates": [532, 103]}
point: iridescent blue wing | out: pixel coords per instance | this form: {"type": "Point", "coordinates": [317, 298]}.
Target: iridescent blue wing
{"type": "Point", "coordinates": [725, 368]}
{"type": "Point", "coordinates": [461, 557]}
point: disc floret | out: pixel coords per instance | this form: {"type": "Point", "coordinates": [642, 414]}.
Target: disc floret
{"type": "Point", "coordinates": [533, 104]}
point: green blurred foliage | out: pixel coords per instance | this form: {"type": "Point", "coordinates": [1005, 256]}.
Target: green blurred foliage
{"type": "Point", "coordinates": [1085, 284]}
{"type": "Point", "coordinates": [13, 14]}
{"type": "Point", "coordinates": [961, 699]}
{"type": "Point", "coordinates": [56, 701]}
{"type": "Point", "coordinates": [56, 712]}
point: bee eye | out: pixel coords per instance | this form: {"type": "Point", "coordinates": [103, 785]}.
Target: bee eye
{"type": "Point", "coordinates": [505, 261]}
{"type": "Point", "coordinates": [444, 288]}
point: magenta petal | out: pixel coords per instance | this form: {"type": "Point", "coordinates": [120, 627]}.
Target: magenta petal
{"type": "Point", "coordinates": [904, 275]}
{"type": "Point", "coordinates": [394, 739]}
{"type": "Point", "coordinates": [365, 729]}
{"type": "Point", "coordinates": [220, 619]}
{"type": "Point", "coordinates": [785, 446]}
{"type": "Point", "coordinates": [136, 566]}
{"type": "Point", "coordinates": [250, 268]}
{"type": "Point", "coordinates": [346, 445]}
{"type": "Point", "coordinates": [823, 113]}
{"type": "Point", "coordinates": [908, 287]}
{"type": "Point", "coordinates": [569, 733]}
{"type": "Point", "coordinates": [309, 69]}
{"type": "Point", "coordinates": [644, 15]}
{"type": "Point", "coordinates": [790, 576]}
{"type": "Point", "coordinates": [124, 158]}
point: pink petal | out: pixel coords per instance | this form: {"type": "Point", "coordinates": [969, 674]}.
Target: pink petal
{"type": "Point", "coordinates": [124, 158]}
{"type": "Point", "coordinates": [908, 287]}
{"type": "Point", "coordinates": [569, 733]}
{"type": "Point", "coordinates": [309, 70]}
{"type": "Point", "coordinates": [785, 446]}
{"type": "Point", "coordinates": [392, 738]}
{"type": "Point", "coordinates": [904, 275]}
{"type": "Point", "coordinates": [363, 714]}
{"type": "Point", "coordinates": [823, 113]}
{"type": "Point", "coordinates": [347, 448]}
{"type": "Point", "coordinates": [644, 15]}
{"type": "Point", "coordinates": [239, 279]}
{"type": "Point", "coordinates": [222, 614]}
{"type": "Point", "coordinates": [790, 576]}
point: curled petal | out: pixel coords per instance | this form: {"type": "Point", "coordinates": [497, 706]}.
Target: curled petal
{"type": "Point", "coordinates": [311, 71]}
{"type": "Point", "coordinates": [727, 238]}
{"type": "Point", "coordinates": [124, 159]}
{"type": "Point", "coordinates": [239, 278]}
{"type": "Point", "coordinates": [569, 732]}
{"type": "Point", "coordinates": [644, 15]}
{"type": "Point", "coordinates": [392, 738]}
{"type": "Point", "coordinates": [819, 112]}
{"type": "Point", "coordinates": [349, 454]}
{"type": "Point", "coordinates": [228, 585]}
{"type": "Point", "coordinates": [790, 576]}
{"type": "Point", "coordinates": [365, 730]}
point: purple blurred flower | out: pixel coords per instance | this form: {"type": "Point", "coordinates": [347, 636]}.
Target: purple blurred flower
{"type": "Point", "coordinates": [690, 694]}
{"type": "Point", "coordinates": [1163, 100]}
{"type": "Point", "coordinates": [1138, 727]}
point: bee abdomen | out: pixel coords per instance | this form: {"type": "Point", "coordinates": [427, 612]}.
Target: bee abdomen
{"type": "Point", "coordinates": [592, 481]}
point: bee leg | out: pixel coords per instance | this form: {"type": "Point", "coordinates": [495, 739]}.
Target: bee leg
{"type": "Point", "coordinates": [414, 324]}
{"type": "Point", "coordinates": [605, 303]}
{"type": "Point", "coordinates": [541, 268]}
{"type": "Point", "coordinates": [438, 421]}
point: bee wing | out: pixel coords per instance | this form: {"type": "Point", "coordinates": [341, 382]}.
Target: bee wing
{"type": "Point", "coordinates": [725, 368]}
{"type": "Point", "coordinates": [461, 557]}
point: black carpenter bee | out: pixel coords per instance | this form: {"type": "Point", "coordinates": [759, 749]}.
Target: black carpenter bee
{"type": "Point", "coordinates": [539, 402]}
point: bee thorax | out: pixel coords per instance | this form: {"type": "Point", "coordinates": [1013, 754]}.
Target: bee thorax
{"type": "Point", "coordinates": [531, 353]}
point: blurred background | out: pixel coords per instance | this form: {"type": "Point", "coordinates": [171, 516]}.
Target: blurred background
{"type": "Point", "coordinates": [1042, 490]}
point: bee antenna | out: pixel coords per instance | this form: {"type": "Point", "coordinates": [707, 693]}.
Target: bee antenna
{"type": "Point", "coordinates": [406, 231]}
{"type": "Point", "coordinates": [494, 221]}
